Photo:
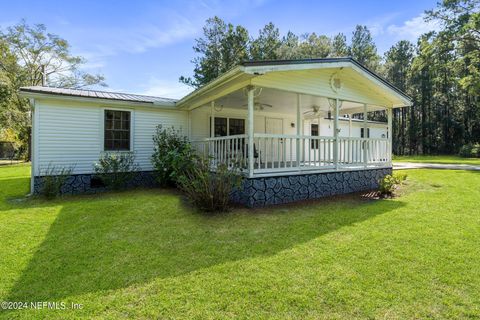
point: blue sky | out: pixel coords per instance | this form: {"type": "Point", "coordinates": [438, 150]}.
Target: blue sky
{"type": "Point", "coordinates": [144, 46]}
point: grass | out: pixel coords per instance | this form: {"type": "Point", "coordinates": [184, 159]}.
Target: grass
{"type": "Point", "coordinates": [144, 254]}
{"type": "Point", "coordinates": [445, 159]}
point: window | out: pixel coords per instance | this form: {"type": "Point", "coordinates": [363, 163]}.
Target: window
{"type": "Point", "coordinates": [314, 132]}
{"type": "Point", "coordinates": [236, 126]}
{"type": "Point", "coordinates": [220, 127]}
{"type": "Point", "coordinates": [362, 133]}
{"type": "Point", "coordinates": [117, 130]}
{"type": "Point", "coordinates": [230, 125]}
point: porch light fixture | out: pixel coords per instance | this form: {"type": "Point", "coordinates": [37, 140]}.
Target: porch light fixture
{"type": "Point", "coordinates": [335, 82]}
{"type": "Point", "coordinates": [292, 124]}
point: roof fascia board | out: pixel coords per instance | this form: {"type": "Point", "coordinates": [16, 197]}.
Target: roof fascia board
{"type": "Point", "coordinates": [295, 67]}
{"type": "Point", "coordinates": [401, 97]}
{"type": "Point", "coordinates": [202, 101]}
{"type": "Point", "coordinates": [36, 95]}
{"type": "Point", "coordinates": [230, 75]}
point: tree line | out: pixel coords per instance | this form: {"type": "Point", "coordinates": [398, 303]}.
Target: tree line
{"type": "Point", "coordinates": [441, 71]}
{"type": "Point", "coordinates": [31, 56]}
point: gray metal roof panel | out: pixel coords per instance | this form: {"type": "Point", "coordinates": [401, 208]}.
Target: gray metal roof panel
{"type": "Point", "coordinates": [98, 94]}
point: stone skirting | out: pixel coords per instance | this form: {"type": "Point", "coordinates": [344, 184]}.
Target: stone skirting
{"type": "Point", "coordinates": [87, 183]}
{"type": "Point", "coordinates": [260, 192]}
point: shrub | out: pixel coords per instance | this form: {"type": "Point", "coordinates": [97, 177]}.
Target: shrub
{"type": "Point", "coordinates": [389, 183]}
{"type": "Point", "coordinates": [53, 179]}
{"type": "Point", "coordinates": [116, 170]}
{"type": "Point", "coordinates": [210, 191]}
{"type": "Point", "coordinates": [470, 150]}
{"type": "Point", "coordinates": [172, 155]}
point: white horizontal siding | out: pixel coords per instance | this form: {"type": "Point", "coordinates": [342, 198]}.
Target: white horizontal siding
{"type": "Point", "coordinates": [68, 136]}
{"type": "Point", "coordinates": [146, 122]}
{"type": "Point", "coordinates": [71, 134]}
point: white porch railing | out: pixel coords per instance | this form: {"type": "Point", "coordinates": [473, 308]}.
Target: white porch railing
{"type": "Point", "coordinates": [277, 153]}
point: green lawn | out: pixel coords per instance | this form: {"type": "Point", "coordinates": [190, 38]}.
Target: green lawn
{"type": "Point", "coordinates": [144, 254]}
{"type": "Point", "coordinates": [449, 159]}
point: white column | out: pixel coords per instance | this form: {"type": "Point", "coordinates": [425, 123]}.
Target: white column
{"type": "Point", "coordinates": [212, 119]}
{"type": "Point", "coordinates": [335, 135]}
{"type": "Point", "coordinates": [365, 129]}
{"type": "Point", "coordinates": [299, 130]}
{"type": "Point", "coordinates": [250, 131]}
{"type": "Point", "coordinates": [390, 135]}
{"type": "Point", "coordinates": [211, 144]}
{"type": "Point", "coordinates": [349, 125]}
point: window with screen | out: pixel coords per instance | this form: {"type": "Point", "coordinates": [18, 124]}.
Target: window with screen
{"type": "Point", "coordinates": [236, 126]}
{"type": "Point", "coordinates": [117, 130]}
{"type": "Point", "coordinates": [314, 132]}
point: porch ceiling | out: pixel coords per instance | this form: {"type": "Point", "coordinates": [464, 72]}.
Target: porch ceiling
{"type": "Point", "coordinates": [284, 102]}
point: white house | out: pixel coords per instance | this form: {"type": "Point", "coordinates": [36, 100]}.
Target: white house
{"type": "Point", "coordinates": [290, 124]}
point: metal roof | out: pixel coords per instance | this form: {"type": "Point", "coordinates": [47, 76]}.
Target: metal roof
{"type": "Point", "coordinates": [99, 95]}
{"type": "Point", "coordinates": [252, 63]}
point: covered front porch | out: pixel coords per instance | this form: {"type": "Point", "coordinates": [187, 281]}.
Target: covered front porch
{"type": "Point", "coordinates": [297, 129]}
{"type": "Point", "coordinates": [290, 133]}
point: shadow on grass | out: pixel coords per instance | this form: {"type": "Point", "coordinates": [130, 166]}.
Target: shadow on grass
{"type": "Point", "coordinates": [118, 240]}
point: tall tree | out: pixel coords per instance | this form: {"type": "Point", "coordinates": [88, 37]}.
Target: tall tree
{"type": "Point", "coordinates": [339, 46]}
{"type": "Point", "coordinates": [222, 47]}
{"type": "Point", "coordinates": [43, 54]}
{"type": "Point", "coordinates": [29, 56]}
{"type": "Point", "coordinates": [267, 44]}
{"type": "Point", "coordinates": [398, 61]}
{"type": "Point", "coordinates": [289, 48]}
{"type": "Point", "coordinates": [314, 46]}
{"type": "Point", "coordinates": [363, 48]}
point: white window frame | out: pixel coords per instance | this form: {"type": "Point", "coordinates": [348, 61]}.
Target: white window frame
{"type": "Point", "coordinates": [102, 129]}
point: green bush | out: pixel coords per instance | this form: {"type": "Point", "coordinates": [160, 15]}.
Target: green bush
{"type": "Point", "coordinates": [389, 183]}
{"type": "Point", "coordinates": [210, 191]}
{"type": "Point", "coordinates": [172, 155]}
{"type": "Point", "coordinates": [116, 170]}
{"type": "Point", "coordinates": [53, 179]}
{"type": "Point", "coordinates": [470, 150]}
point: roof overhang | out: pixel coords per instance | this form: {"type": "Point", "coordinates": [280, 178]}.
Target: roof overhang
{"type": "Point", "coordinates": [240, 76]}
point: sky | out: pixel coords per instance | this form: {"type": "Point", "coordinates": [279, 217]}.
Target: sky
{"type": "Point", "coordinates": [145, 46]}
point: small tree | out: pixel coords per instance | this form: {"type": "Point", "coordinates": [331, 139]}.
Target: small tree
{"type": "Point", "coordinates": [172, 155]}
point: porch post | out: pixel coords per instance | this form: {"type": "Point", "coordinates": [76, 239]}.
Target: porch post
{"type": "Point", "coordinates": [211, 144]}
{"type": "Point", "coordinates": [299, 130]}
{"type": "Point", "coordinates": [349, 125]}
{"type": "Point", "coordinates": [335, 135]}
{"type": "Point", "coordinates": [365, 134]}
{"type": "Point", "coordinates": [390, 135]}
{"type": "Point", "coordinates": [250, 131]}
{"type": "Point", "coordinates": [212, 119]}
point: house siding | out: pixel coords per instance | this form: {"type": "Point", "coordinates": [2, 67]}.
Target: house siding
{"type": "Point", "coordinates": [70, 134]}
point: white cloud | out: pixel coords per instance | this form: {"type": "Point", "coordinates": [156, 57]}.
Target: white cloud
{"type": "Point", "coordinates": [413, 28]}
{"type": "Point", "coordinates": [377, 26]}
{"type": "Point", "coordinates": [165, 88]}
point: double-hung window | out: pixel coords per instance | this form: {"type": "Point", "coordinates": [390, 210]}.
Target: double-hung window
{"type": "Point", "coordinates": [117, 130]}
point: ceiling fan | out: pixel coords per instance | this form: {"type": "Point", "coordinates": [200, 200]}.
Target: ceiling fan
{"type": "Point", "coordinates": [259, 106]}
{"type": "Point", "coordinates": [315, 111]}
